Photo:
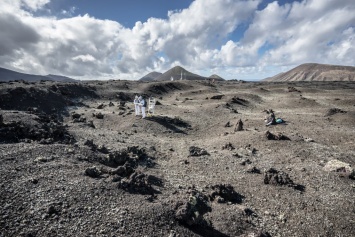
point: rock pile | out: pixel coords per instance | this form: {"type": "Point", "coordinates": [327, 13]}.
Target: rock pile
{"type": "Point", "coordinates": [45, 130]}
{"type": "Point", "coordinates": [190, 212]}
{"type": "Point", "coordinates": [138, 182]}
{"type": "Point", "coordinates": [225, 193]}
{"type": "Point", "coordinates": [275, 177]}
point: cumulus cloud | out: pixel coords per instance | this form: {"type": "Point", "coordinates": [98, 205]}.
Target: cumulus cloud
{"type": "Point", "coordinates": [309, 31]}
{"type": "Point", "coordinates": [200, 38]}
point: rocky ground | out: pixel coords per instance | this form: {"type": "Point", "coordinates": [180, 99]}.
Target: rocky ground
{"type": "Point", "coordinates": [76, 161]}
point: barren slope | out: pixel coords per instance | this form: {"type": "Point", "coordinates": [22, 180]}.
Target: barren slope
{"type": "Point", "coordinates": [316, 72]}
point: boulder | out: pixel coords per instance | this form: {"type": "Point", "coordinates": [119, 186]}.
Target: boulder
{"type": "Point", "coordinates": [278, 136]}
{"type": "Point", "coordinates": [196, 151]}
{"type": "Point", "coordinates": [100, 106]}
{"type": "Point", "coordinates": [225, 193]}
{"type": "Point", "coordinates": [191, 211]}
{"type": "Point", "coordinates": [93, 172]}
{"type": "Point", "coordinates": [238, 126]}
{"type": "Point", "coordinates": [275, 177]}
{"type": "Point", "coordinates": [340, 167]}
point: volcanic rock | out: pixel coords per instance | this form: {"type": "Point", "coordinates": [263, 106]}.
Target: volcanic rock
{"type": "Point", "coordinates": [196, 151]}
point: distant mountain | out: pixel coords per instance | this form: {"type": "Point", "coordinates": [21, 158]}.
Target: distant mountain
{"type": "Point", "coordinates": [316, 72]}
{"type": "Point", "coordinates": [151, 76]}
{"type": "Point", "coordinates": [61, 78]}
{"type": "Point", "coordinates": [216, 77]}
{"type": "Point", "coordinates": [178, 73]}
{"type": "Point", "coordinates": [9, 75]}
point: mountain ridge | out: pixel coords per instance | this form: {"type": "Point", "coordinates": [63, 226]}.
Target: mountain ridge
{"type": "Point", "coordinates": [316, 72]}
{"type": "Point", "coordinates": [10, 75]}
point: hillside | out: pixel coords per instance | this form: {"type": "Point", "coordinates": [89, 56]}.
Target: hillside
{"type": "Point", "coordinates": [9, 75]}
{"type": "Point", "coordinates": [216, 77]}
{"type": "Point", "coordinates": [316, 72]}
{"type": "Point", "coordinates": [178, 73]}
{"type": "Point", "coordinates": [150, 76]}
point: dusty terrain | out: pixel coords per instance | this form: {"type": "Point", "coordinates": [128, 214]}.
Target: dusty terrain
{"type": "Point", "coordinates": [76, 161]}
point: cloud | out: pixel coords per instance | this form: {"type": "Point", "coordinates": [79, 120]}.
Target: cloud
{"type": "Point", "coordinates": [230, 38]}
{"type": "Point", "coordinates": [15, 35]}
{"type": "Point", "coordinates": [310, 31]}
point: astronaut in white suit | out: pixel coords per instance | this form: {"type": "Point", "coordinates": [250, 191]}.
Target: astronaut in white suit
{"type": "Point", "coordinates": [143, 105]}
{"type": "Point", "coordinates": [137, 105]}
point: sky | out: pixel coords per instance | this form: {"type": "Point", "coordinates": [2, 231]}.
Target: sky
{"type": "Point", "coordinates": [127, 39]}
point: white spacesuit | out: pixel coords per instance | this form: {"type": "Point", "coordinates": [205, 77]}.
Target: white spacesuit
{"type": "Point", "coordinates": [136, 106]}
{"type": "Point", "coordinates": [143, 105]}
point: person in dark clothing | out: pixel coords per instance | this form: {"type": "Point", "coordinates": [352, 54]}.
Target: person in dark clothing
{"type": "Point", "coordinates": [270, 120]}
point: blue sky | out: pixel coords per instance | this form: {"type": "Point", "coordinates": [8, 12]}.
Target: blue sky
{"type": "Point", "coordinates": [125, 12]}
{"type": "Point", "coordinates": [120, 39]}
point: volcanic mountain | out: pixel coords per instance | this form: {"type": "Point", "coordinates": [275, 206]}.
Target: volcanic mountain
{"type": "Point", "coordinates": [316, 72]}
{"type": "Point", "coordinates": [9, 75]}
{"type": "Point", "coordinates": [216, 77]}
{"type": "Point", "coordinates": [178, 73]}
{"type": "Point", "coordinates": [151, 76]}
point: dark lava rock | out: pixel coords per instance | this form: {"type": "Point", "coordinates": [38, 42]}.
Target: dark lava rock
{"type": "Point", "coordinates": [91, 124]}
{"type": "Point", "coordinates": [238, 126]}
{"type": "Point", "coordinates": [245, 162]}
{"type": "Point", "coordinates": [275, 177]}
{"type": "Point", "coordinates": [196, 151]}
{"type": "Point", "coordinates": [102, 149]}
{"type": "Point", "coordinates": [217, 97]}
{"type": "Point", "coordinates": [137, 182]}
{"type": "Point", "coordinates": [226, 192]}
{"type": "Point", "coordinates": [111, 104]}
{"type": "Point", "coordinates": [123, 171]}
{"type": "Point", "coordinates": [91, 144]}
{"type": "Point", "coordinates": [190, 212]}
{"type": "Point", "coordinates": [100, 106]}
{"type": "Point", "coordinates": [227, 125]}
{"type": "Point", "coordinates": [117, 158]}
{"type": "Point", "coordinates": [75, 116]}
{"type": "Point", "coordinates": [93, 172]}
{"type": "Point", "coordinates": [278, 136]}
{"type": "Point", "coordinates": [228, 146]}
{"type": "Point", "coordinates": [240, 101]}
{"type": "Point", "coordinates": [98, 115]}
{"type": "Point", "coordinates": [292, 89]}
{"type": "Point", "coordinates": [333, 111]}
{"type": "Point", "coordinates": [46, 130]}
{"type": "Point", "coordinates": [253, 170]}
